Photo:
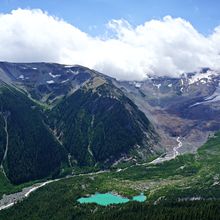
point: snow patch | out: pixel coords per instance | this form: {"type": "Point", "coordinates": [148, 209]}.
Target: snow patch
{"type": "Point", "coordinates": [54, 76]}
{"type": "Point", "coordinates": [205, 77]}
{"type": "Point", "coordinates": [73, 72]}
{"type": "Point", "coordinates": [64, 81]}
{"type": "Point", "coordinates": [21, 77]}
{"type": "Point", "coordinates": [50, 82]}
{"type": "Point", "coordinates": [203, 81]}
{"type": "Point", "coordinates": [157, 85]}
{"type": "Point", "coordinates": [68, 66]}
{"type": "Point", "coordinates": [215, 97]}
{"type": "Point", "coordinates": [137, 85]}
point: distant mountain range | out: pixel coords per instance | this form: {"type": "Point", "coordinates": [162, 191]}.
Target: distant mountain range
{"type": "Point", "coordinates": [55, 117]}
{"type": "Point", "coordinates": [187, 107]}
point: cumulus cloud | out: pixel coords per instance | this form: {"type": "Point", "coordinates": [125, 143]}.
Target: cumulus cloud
{"type": "Point", "coordinates": [169, 46]}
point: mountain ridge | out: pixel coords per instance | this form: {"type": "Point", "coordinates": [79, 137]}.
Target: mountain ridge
{"type": "Point", "coordinates": [172, 106]}
{"type": "Point", "coordinates": [91, 121]}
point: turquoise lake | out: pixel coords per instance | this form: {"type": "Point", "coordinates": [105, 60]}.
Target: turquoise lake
{"type": "Point", "coordinates": [109, 198]}
{"type": "Point", "coordinates": [140, 198]}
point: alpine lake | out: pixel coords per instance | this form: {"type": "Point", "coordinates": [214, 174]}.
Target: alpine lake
{"type": "Point", "coordinates": [105, 199]}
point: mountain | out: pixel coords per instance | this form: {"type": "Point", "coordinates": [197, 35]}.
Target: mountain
{"type": "Point", "coordinates": [28, 150]}
{"type": "Point", "coordinates": [45, 82]}
{"type": "Point", "coordinates": [187, 106]}
{"type": "Point", "coordinates": [67, 116]}
{"type": "Point", "coordinates": [146, 136]}
{"type": "Point", "coordinates": [97, 121]}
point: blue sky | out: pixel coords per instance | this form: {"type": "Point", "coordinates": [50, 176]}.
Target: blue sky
{"type": "Point", "coordinates": [143, 37]}
{"type": "Point", "coordinates": [92, 15]}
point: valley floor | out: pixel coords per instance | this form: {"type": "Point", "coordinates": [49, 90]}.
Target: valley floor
{"type": "Point", "coordinates": [172, 185]}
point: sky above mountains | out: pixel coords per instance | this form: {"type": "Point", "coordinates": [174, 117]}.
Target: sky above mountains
{"type": "Point", "coordinates": [124, 39]}
{"type": "Point", "coordinates": [91, 15]}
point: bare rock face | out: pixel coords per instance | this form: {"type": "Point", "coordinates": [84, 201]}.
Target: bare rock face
{"type": "Point", "coordinates": [188, 106]}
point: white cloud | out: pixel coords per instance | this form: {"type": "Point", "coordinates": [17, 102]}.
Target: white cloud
{"type": "Point", "coordinates": [163, 47]}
